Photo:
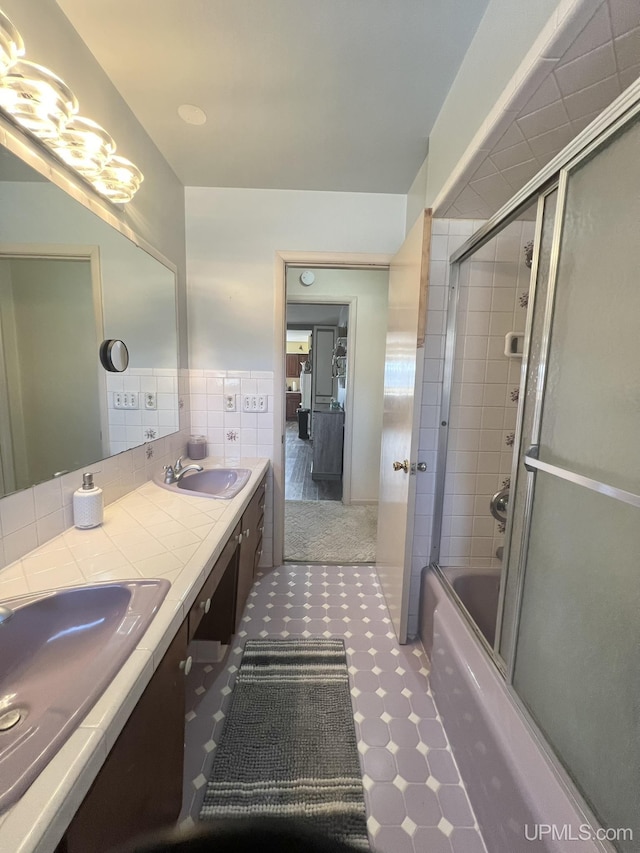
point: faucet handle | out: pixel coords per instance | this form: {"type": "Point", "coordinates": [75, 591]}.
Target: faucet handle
{"type": "Point", "coordinates": [169, 474]}
{"type": "Point", "coordinates": [178, 464]}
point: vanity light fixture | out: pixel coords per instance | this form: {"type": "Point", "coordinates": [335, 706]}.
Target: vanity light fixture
{"type": "Point", "coordinates": [40, 102]}
{"type": "Point", "coordinates": [37, 99]}
{"type": "Point", "coordinates": [11, 44]}
{"type": "Point", "coordinates": [85, 146]}
{"type": "Point", "coordinates": [119, 180]}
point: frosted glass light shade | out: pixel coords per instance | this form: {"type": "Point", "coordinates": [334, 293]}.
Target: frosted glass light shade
{"type": "Point", "coordinates": [11, 44]}
{"type": "Point", "coordinates": [119, 180]}
{"type": "Point", "coordinates": [37, 99]}
{"type": "Point", "coordinates": [85, 146]}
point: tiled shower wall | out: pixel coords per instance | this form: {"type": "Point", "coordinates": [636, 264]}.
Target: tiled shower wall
{"type": "Point", "coordinates": [493, 295]}
{"type": "Point", "coordinates": [447, 236]}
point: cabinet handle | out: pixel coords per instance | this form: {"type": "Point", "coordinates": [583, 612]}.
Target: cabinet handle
{"type": "Point", "coordinates": [239, 538]}
{"type": "Point", "coordinates": [261, 529]}
{"type": "Point", "coordinates": [262, 505]}
{"type": "Point", "coordinates": [186, 665]}
{"type": "Point", "coordinates": [246, 532]}
{"type": "Point", "coordinates": [205, 605]}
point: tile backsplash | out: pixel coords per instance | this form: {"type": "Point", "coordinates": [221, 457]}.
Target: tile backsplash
{"type": "Point", "coordinates": [231, 432]}
{"type": "Point", "coordinates": [131, 427]}
{"type": "Point", "coordinates": [31, 517]}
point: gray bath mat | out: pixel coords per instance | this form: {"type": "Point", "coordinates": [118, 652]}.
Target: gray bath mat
{"type": "Point", "coordinates": [288, 748]}
{"type": "Point", "coordinates": [329, 532]}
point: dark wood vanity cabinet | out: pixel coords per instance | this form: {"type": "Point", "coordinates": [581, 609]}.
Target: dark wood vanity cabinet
{"type": "Point", "coordinates": [139, 787]}
{"type": "Point", "coordinates": [212, 616]}
{"type": "Point", "coordinates": [250, 546]}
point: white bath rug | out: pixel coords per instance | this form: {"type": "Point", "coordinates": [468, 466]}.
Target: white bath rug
{"type": "Point", "coordinates": [329, 532]}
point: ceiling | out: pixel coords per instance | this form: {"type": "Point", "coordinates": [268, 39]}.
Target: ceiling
{"type": "Point", "coordinates": [337, 95]}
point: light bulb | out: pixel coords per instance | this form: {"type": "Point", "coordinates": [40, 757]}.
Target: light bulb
{"type": "Point", "coordinates": [37, 99]}
{"type": "Point", "coordinates": [119, 180]}
{"type": "Point", "coordinates": [85, 146]}
{"type": "Point", "coordinates": [11, 44]}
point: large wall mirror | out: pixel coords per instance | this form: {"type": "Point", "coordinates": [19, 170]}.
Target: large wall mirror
{"type": "Point", "coordinates": [68, 281]}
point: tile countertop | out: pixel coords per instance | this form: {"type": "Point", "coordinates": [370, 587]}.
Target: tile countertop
{"type": "Point", "coordinates": [149, 533]}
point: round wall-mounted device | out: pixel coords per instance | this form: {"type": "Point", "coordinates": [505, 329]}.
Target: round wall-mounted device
{"type": "Point", "coordinates": [307, 278]}
{"type": "Point", "coordinates": [114, 355]}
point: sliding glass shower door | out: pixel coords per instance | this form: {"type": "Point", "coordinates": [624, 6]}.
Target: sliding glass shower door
{"type": "Point", "coordinates": [575, 656]}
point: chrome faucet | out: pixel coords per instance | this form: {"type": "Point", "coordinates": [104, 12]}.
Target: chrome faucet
{"type": "Point", "coordinates": [174, 475]}
{"type": "Point", "coordinates": [5, 614]}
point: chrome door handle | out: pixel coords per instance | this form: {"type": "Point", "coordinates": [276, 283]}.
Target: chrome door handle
{"type": "Point", "coordinates": [401, 466]}
{"type": "Point", "coordinates": [422, 466]}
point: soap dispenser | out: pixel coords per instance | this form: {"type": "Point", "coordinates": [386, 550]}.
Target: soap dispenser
{"type": "Point", "coordinates": [87, 504]}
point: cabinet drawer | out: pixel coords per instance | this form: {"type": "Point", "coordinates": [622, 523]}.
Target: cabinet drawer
{"type": "Point", "coordinates": [205, 602]}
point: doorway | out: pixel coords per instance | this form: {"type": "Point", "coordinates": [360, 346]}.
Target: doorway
{"type": "Point", "coordinates": [334, 376]}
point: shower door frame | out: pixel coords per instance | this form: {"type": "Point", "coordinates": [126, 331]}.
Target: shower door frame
{"type": "Point", "coordinates": [554, 176]}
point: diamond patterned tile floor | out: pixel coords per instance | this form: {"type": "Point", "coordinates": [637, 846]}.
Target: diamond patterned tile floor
{"type": "Point", "coordinates": [416, 801]}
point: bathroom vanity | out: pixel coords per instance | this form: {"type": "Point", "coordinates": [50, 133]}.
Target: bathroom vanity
{"type": "Point", "coordinates": [120, 773]}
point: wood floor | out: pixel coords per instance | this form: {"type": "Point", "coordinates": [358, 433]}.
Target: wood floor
{"type": "Point", "coordinates": [298, 483]}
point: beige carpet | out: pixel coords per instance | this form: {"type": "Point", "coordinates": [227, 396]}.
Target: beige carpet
{"type": "Point", "coordinates": [329, 532]}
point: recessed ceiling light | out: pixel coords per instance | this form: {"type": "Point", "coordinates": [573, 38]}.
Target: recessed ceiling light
{"type": "Point", "coordinates": [192, 114]}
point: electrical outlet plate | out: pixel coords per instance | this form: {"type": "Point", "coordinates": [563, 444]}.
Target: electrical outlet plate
{"type": "Point", "coordinates": [230, 402]}
{"type": "Point", "coordinates": [125, 400]}
{"type": "Point", "coordinates": [150, 400]}
{"type": "Point", "coordinates": [254, 403]}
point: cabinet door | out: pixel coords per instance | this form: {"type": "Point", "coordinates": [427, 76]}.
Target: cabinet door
{"type": "Point", "coordinates": [252, 527]}
{"type": "Point", "coordinates": [139, 788]}
{"type": "Point", "coordinates": [293, 366]}
{"type": "Point", "coordinates": [328, 440]}
{"type": "Point", "coordinates": [293, 401]}
{"type": "Point", "coordinates": [220, 588]}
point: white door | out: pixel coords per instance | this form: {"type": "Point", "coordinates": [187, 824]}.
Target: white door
{"type": "Point", "coordinates": [403, 370]}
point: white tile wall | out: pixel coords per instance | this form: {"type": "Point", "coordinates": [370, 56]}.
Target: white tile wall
{"type": "Point", "coordinates": [447, 235]}
{"type": "Point", "coordinates": [494, 285]}
{"type": "Point", "coordinates": [34, 516]}
{"type": "Point", "coordinates": [131, 427]}
{"type": "Point", "coordinates": [232, 435]}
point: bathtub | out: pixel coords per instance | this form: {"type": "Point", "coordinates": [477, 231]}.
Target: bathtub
{"type": "Point", "coordinates": [478, 590]}
{"type": "Point", "coordinates": [520, 801]}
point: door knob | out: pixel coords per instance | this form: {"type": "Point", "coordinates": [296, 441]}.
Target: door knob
{"type": "Point", "coordinates": [401, 466]}
{"type": "Point", "coordinates": [499, 505]}
{"type": "Point", "coordinates": [422, 466]}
